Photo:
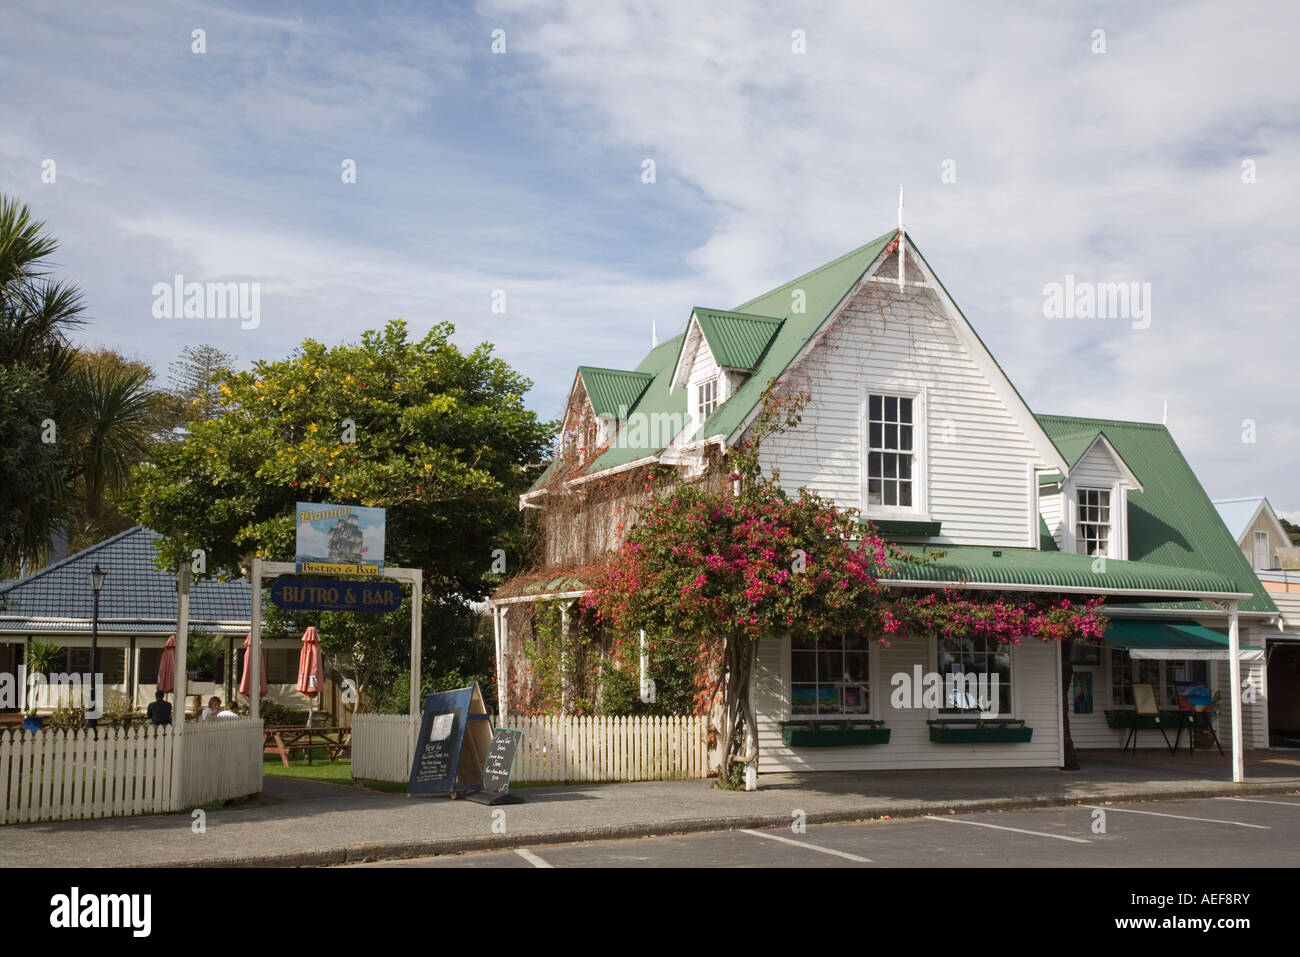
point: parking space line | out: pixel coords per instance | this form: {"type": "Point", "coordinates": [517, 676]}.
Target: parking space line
{"type": "Point", "coordinates": [531, 858]}
{"type": "Point", "coordinates": [812, 847]}
{"type": "Point", "coordinates": [1003, 827]}
{"type": "Point", "coordinates": [1260, 801]}
{"type": "Point", "coordinates": [1181, 817]}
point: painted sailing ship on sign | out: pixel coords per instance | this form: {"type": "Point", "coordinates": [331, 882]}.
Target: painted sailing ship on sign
{"type": "Point", "coordinates": [340, 539]}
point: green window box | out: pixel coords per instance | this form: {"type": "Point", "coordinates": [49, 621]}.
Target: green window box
{"type": "Point", "coordinates": [833, 734]}
{"type": "Point", "coordinates": [1006, 731]}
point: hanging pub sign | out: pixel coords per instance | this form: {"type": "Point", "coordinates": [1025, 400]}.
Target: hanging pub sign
{"type": "Point", "coordinates": [340, 540]}
{"type": "Point", "coordinates": [330, 594]}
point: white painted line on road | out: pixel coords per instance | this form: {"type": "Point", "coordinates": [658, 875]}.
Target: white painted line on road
{"type": "Point", "coordinates": [1001, 827]}
{"type": "Point", "coordinates": [1180, 817]}
{"type": "Point", "coordinates": [531, 858]}
{"type": "Point", "coordinates": [1260, 801]}
{"type": "Point", "coordinates": [812, 847]}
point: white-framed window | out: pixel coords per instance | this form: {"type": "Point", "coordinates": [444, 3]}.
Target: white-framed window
{"type": "Point", "coordinates": [1161, 675]}
{"type": "Point", "coordinates": [1093, 529]}
{"type": "Point", "coordinates": [987, 659]}
{"type": "Point", "coordinates": [830, 675]}
{"type": "Point", "coordinates": [706, 398]}
{"type": "Point", "coordinates": [1261, 550]}
{"type": "Point", "coordinates": [892, 442]}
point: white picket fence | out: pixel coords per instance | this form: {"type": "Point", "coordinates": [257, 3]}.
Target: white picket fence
{"type": "Point", "coordinates": [603, 748]}
{"type": "Point", "coordinates": [381, 747]}
{"type": "Point", "coordinates": [222, 759]}
{"type": "Point", "coordinates": [555, 748]}
{"type": "Point", "coordinates": [69, 775]}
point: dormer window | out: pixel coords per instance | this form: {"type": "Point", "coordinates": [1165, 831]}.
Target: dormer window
{"type": "Point", "coordinates": [1094, 526]}
{"type": "Point", "coordinates": [706, 398]}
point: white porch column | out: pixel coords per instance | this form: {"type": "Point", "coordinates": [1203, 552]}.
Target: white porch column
{"type": "Point", "coordinates": [503, 675]}
{"type": "Point", "coordinates": [417, 632]}
{"type": "Point", "coordinates": [564, 657]}
{"type": "Point", "coordinates": [178, 681]}
{"type": "Point", "coordinates": [496, 651]}
{"type": "Point", "coordinates": [255, 642]}
{"type": "Point", "coordinates": [1234, 672]}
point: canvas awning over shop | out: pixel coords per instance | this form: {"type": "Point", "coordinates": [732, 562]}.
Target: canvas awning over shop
{"type": "Point", "coordinates": [1174, 640]}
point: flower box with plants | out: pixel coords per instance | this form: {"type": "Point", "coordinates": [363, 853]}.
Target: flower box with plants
{"type": "Point", "coordinates": [979, 731]}
{"type": "Point", "coordinates": [833, 733]}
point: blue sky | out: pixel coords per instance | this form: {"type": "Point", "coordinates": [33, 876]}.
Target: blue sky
{"type": "Point", "coordinates": [522, 171]}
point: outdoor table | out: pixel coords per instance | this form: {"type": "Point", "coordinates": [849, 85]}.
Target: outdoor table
{"type": "Point", "coordinates": [281, 739]}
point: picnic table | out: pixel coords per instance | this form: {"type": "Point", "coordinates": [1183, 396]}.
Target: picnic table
{"type": "Point", "coordinates": [283, 739]}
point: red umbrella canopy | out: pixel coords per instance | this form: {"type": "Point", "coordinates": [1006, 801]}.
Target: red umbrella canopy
{"type": "Point", "coordinates": [167, 666]}
{"type": "Point", "coordinates": [244, 682]}
{"type": "Point", "coordinates": [311, 667]}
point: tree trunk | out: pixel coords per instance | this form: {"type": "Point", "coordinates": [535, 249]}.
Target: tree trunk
{"type": "Point", "coordinates": [739, 738]}
{"type": "Point", "coordinates": [1071, 762]}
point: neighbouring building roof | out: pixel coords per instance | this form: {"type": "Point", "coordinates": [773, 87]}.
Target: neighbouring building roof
{"type": "Point", "coordinates": [1239, 513]}
{"type": "Point", "coordinates": [137, 598]}
{"type": "Point", "coordinates": [1171, 521]}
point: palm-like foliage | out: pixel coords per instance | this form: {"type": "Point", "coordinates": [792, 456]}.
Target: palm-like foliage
{"type": "Point", "coordinates": [99, 413]}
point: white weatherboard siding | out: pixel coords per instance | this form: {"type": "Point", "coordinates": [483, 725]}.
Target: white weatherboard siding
{"type": "Point", "coordinates": [975, 453]}
{"type": "Point", "coordinates": [1049, 507]}
{"type": "Point", "coordinates": [1090, 730]}
{"type": "Point", "coordinates": [1035, 694]}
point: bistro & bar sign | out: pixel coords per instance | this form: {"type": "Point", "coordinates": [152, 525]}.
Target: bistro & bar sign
{"type": "Point", "coordinates": [330, 594]}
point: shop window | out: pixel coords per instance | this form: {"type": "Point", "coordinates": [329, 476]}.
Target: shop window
{"type": "Point", "coordinates": [830, 676]}
{"type": "Point", "coordinates": [1161, 675]}
{"type": "Point", "coordinates": [978, 656]}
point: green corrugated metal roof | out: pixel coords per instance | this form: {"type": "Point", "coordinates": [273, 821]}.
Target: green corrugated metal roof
{"type": "Point", "coordinates": [613, 391]}
{"type": "Point", "coordinates": [1029, 566]}
{"type": "Point", "coordinates": [1172, 522]}
{"type": "Point", "coordinates": [736, 339]}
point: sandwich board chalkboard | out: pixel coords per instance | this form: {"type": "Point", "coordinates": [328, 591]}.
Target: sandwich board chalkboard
{"type": "Point", "coordinates": [496, 770]}
{"type": "Point", "coordinates": [455, 736]}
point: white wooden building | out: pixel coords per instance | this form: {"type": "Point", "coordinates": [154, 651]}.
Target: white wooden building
{"type": "Point", "coordinates": [912, 421]}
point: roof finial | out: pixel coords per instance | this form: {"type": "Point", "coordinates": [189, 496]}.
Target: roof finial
{"type": "Point", "coordinates": [654, 335]}
{"type": "Point", "coordinates": [1164, 419]}
{"type": "Point", "coordinates": [902, 247]}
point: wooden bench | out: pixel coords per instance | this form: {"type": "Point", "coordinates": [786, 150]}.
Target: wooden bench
{"type": "Point", "coordinates": [285, 739]}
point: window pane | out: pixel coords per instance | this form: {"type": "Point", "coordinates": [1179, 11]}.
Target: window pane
{"type": "Point", "coordinates": [905, 494]}
{"type": "Point", "coordinates": [873, 465]}
{"type": "Point", "coordinates": [891, 436]}
{"type": "Point", "coordinates": [803, 666]}
{"type": "Point", "coordinates": [891, 408]}
{"type": "Point", "coordinates": [905, 438]}
{"type": "Point", "coordinates": [891, 493]}
{"type": "Point", "coordinates": [904, 410]}
{"type": "Point", "coordinates": [891, 466]}
{"type": "Point", "coordinates": [874, 435]}
{"type": "Point", "coordinates": [873, 408]}
{"type": "Point", "coordinates": [905, 466]}
{"type": "Point", "coordinates": [873, 491]}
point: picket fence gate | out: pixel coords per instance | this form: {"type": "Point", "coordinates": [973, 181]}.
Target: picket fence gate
{"type": "Point", "coordinates": [607, 748]}
{"type": "Point", "coordinates": [121, 772]}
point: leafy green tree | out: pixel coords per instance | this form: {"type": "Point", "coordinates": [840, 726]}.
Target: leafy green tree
{"type": "Point", "coordinates": [438, 437]}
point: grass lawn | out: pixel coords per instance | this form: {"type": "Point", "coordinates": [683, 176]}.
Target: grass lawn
{"type": "Point", "coordinates": [323, 769]}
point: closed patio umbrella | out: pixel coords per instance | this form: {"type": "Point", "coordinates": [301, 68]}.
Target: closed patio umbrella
{"type": "Point", "coordinates": [311, 668]}
{"type": "Point", "coordinates": [167, 666]}
{"type": "Point", "coordinates": [244, 683]}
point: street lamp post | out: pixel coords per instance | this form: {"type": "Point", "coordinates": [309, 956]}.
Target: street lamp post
{"type": "Point", "coordinates": [97, 576]}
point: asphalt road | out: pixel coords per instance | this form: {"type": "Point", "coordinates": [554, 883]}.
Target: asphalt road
{"type": "Point", "coordinates": [1261, 831]}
